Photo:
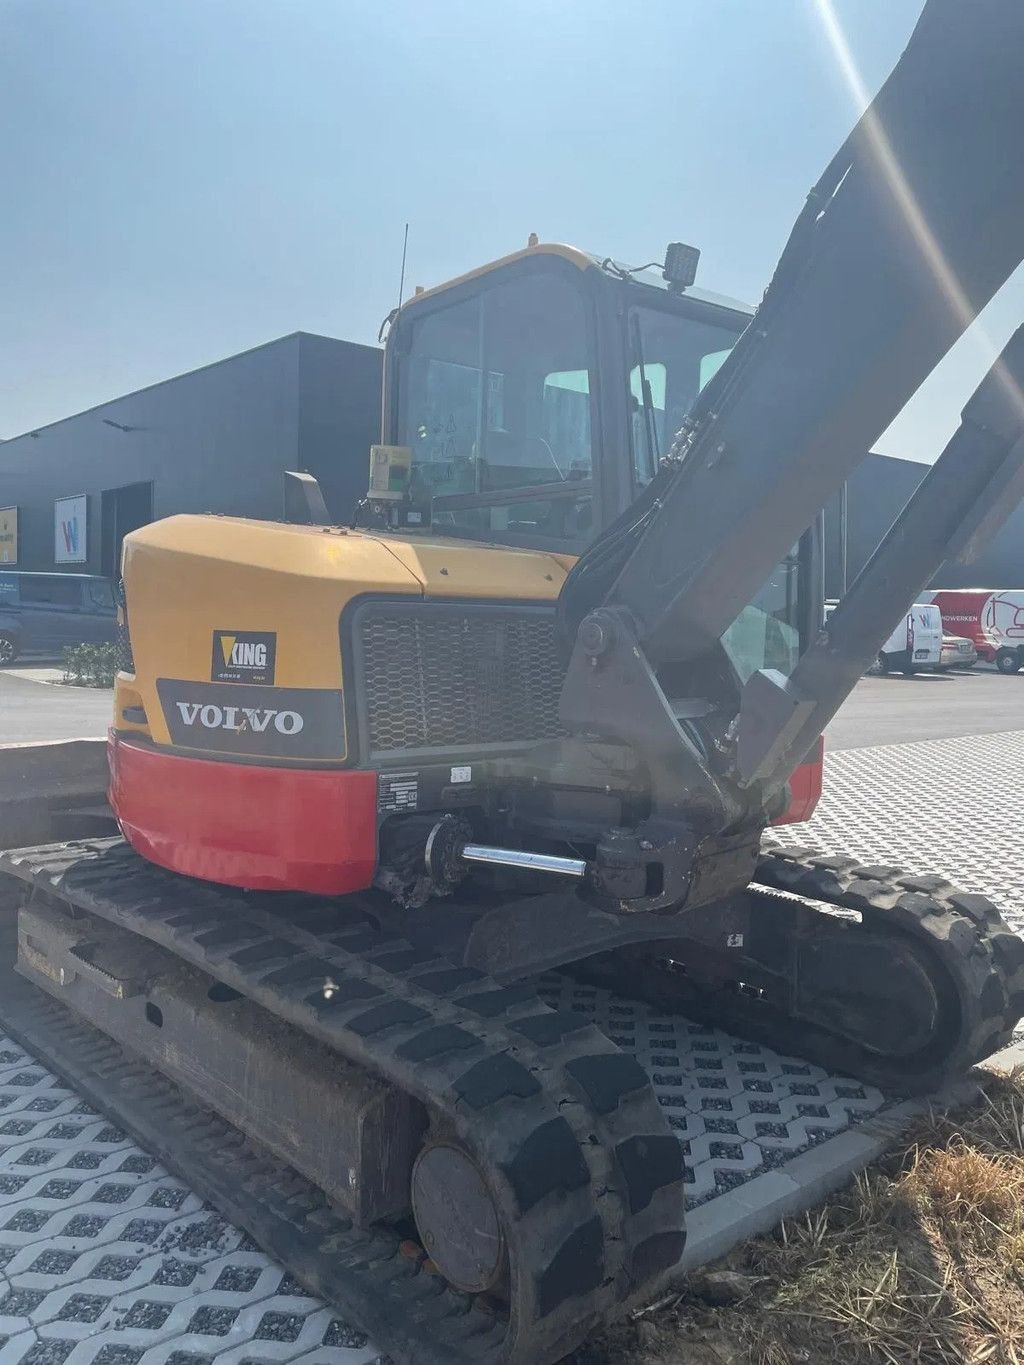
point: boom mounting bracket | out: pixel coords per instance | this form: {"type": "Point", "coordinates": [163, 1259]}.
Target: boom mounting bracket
{"type": "Point", "coordinates": [611, 691]}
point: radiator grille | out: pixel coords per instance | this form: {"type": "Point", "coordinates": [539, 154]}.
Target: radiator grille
{"type": "Point", "coordinates": [437, 677]}
{"type": "Point", "coordinates": [123, 657]}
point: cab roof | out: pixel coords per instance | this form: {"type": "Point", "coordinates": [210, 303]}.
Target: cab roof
{"type": "Point", "coordinates": [584, 260]}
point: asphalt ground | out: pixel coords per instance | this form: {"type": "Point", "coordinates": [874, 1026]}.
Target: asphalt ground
{"type": "Point", "coordinates": [37, 711]}
{"type": "Point", "coordinates": [898, 710]}
{"type": "Point", "coordinates": [892, 710]}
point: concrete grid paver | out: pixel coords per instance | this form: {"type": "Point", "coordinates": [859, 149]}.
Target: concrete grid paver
{"type": "Point", "coordinates": [950, 806]}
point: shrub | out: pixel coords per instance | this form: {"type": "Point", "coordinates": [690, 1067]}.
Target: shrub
{"type": "Point", "coordinates": [90, 665]}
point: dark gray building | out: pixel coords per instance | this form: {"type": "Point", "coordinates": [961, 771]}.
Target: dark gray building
{"type": "Point", "coordinates": [214, 440]}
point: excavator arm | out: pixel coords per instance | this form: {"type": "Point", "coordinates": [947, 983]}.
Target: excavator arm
{"type": "Point", "coordinates": [915, 224]}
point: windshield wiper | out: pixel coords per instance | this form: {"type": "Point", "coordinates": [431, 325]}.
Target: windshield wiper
{"type": "Point", "coordinates": [647, 399]}
{"type": "Point", "coordinates": [570, 490]}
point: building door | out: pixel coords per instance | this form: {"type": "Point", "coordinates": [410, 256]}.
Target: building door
{"type": "Point", "coordinates": [123, 509]}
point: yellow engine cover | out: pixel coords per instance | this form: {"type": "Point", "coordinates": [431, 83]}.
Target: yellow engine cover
{"type": "Point", "coordinates": [231, 620]}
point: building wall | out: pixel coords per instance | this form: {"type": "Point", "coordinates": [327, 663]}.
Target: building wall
{"type": "Point", "coordinates": [215, 440]}
{"type": "Point", "coordinates": [1001, 565]}
{"type": "Point", "coordinates": [339, 417]}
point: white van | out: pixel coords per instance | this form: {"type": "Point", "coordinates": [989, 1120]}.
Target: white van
{"type": "Point", "coordinates": [915, 643]}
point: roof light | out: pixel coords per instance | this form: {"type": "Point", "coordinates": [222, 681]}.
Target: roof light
{"type": "Point", "coordinates": [680, 269]}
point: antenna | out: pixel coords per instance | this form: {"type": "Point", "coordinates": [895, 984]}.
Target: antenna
{"type": "Point", "coordinates": [401, 282]}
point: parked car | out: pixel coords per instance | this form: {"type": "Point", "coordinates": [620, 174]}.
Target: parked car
{"type": "Point", "coordinates": [992, 618]}
{"type": "Point", "coordinates": [40, 613]}
{"type": "Point", "coordinates": [957, 652]}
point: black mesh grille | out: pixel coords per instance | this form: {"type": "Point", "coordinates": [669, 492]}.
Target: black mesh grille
{"type": "Point", "coordinates": [123, 646]}
{"type": "Point", "coordinates": [437, 677]}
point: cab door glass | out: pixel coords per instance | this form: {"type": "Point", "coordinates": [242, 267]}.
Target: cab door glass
{"type": "Point", "coordinates": [647, 414]}
{"type": "Point", "coordinates": [766, 634]}
{"type": "Point", "coordinates": [494, 394]}
{"type": "Point", "coordinates": [710, 365]}
{"type": "Point", "coordinates": [678, 354]}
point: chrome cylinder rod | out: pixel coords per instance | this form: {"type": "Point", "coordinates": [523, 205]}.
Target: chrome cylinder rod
{"type": "Point", "coordinates": [516, 857]}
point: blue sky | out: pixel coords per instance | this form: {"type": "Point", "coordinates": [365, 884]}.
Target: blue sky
{"type": "Point", "coordinates": [186, 178]}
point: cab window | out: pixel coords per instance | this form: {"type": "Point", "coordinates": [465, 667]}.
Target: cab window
{"type": "Point", "coordinates": [766, 634]}
{"type": "Point", "coordinates": [677, 355]}
{"type": "Point", "coordinates": [494, 395]}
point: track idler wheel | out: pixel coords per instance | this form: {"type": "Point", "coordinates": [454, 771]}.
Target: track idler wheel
{"type": "Point", "coordinates": [457, 1218]}
{"type": "Point", "coordinates": [968, 995]}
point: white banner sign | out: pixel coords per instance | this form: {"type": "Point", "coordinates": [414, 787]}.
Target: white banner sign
{"type": "Point", "coordinates": [70, 530]}
{"type": "Point", "coordinates": [8, 535]}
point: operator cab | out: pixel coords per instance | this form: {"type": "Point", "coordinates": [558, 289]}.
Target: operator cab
{"type": "Point", "coordinates": [519, 388]}
{"type": "Point", "coordinates": [530, 402]}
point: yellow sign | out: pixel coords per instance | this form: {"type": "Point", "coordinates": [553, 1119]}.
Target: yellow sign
{"type": "Point", "coordinates": [8, 535]}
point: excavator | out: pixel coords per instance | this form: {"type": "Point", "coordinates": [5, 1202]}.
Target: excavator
{"type": "Point", "coordinates": [537, 706]}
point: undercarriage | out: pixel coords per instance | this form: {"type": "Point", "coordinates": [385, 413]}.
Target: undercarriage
{"type": "Point", "coordinates": [471, 1174]}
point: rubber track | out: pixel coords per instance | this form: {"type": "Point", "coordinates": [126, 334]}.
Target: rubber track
{"type": "Point", "coordinates": [982, 957]}
{"type": "Point", "coordinates": [965, 931]}
{"type": "Point", "coordinates": [363, 1273]}
{"type": "Point", "coordinates": [586, 1172]}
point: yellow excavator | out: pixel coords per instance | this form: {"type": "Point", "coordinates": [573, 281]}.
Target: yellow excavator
{"type": "Point", "coordinates": [534, 705]}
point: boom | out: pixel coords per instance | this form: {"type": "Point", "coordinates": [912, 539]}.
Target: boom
{"type": "Point", "coordinates": [913, 227]}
